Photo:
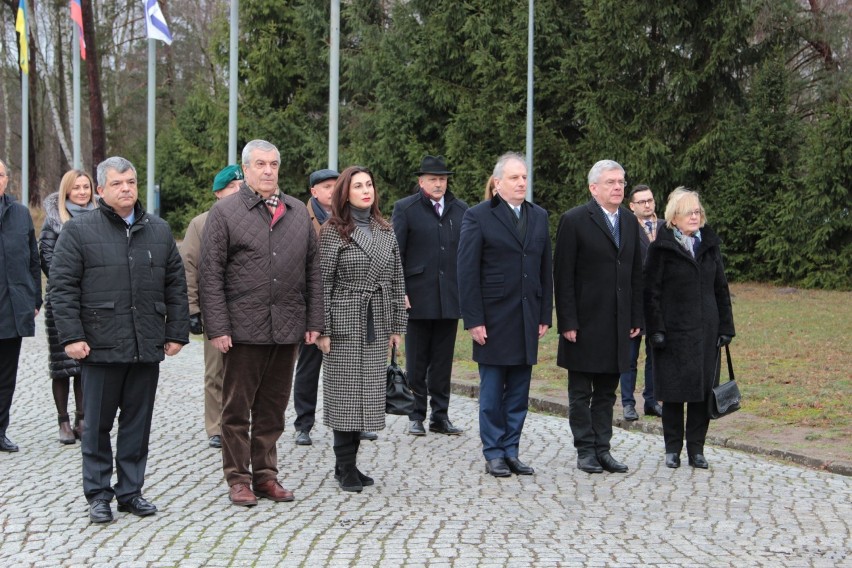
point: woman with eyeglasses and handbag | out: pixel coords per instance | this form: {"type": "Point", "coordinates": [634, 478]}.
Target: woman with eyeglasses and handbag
{"type": "Point", "coordinates": [688, 317]}
{"type": "Point", "coordinates": [364, 299]}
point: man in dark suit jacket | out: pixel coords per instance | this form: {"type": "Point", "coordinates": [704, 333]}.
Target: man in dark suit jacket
{"type": "Point", "coordinates": [598, 286]}
{"type": "Point", "coordinates": [641, 202]}
{"type": "Point", "coordinates": [427, 226]}
{"type": "Point", "coordinates": [505, 283]}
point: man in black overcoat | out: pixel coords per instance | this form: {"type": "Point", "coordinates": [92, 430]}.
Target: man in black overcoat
{"type": "Point", "coordinates": [598, 287]}
{"type": "Point", "coordinates": [505, 284]}
{"type": "Point", "coordinates": [427, 226]}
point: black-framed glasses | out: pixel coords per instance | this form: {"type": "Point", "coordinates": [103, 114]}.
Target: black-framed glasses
{"type": "Point", "coordinates": [644, 202]}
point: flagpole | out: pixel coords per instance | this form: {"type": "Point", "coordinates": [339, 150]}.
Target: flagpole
{"type": "Point", "coordinates": [76, 89]}
{"type": "Point", "coordinates": [530, 54]}
{"type": "Point", "coordinates": [234, 80]}
{"type": "Point", "coordinates": [152, 96]}
{"type": "Point", "coordinates": [25, 139]}
{"type": "Point", "coordinates": [334, 85]}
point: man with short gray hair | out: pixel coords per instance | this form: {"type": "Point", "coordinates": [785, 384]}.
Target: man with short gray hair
{"type": "Point", "coordinates": [119, 301]}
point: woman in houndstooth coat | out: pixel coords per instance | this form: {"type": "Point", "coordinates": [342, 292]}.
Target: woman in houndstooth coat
{"type": "Point", "coordinates": [364, 296]}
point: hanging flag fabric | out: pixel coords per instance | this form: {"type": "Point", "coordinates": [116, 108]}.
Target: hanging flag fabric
{"type": "Point", "coordinates": [23, 42]}
{"type": "Point", "coordinates": [155, 22]}
{"type": "Point", "coordinates": [77, 17]}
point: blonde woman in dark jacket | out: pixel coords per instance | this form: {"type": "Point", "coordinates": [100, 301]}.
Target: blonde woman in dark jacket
{"type": "Point", "coordinates": [76, 196]}
{"type": "Point", "coordinates": [688, 317]}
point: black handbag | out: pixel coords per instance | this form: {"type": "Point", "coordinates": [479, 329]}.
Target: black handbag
{"type": "Point", "coordinates": [399, 399]}
{"type": "Point", "coordinates": [724, 398]}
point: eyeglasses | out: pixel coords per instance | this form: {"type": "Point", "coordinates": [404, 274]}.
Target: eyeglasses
{"type": "Point", "coordinates": [644, 202]}
{"type": "Point", "coordinates": [614, 182]}
{"type": "Point", "coordinates": [693, 213]}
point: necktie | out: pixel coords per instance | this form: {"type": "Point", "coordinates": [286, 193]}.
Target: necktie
{"type": "Point", "coordinates": [649, 227]}
{"type": "Point", "coordinates": [517, 211]}
{"type": "Point", "coordinates": [438, 208]}
{"type": "Point", "coordinates": [616, 231]}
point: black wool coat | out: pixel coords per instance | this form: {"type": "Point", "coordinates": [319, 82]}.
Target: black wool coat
{"type": "Point", "coordinates": [121, 289]}
{"type": "Point", "coordinates": [505, 282]}
{"type": "Point", "coordinates": [688, 300]}
{"type": "Point", "coordinates": [598, 288]}
{"type": "Point", "coordinates": [428, 247]}
{"type": "Point", "coordinates": [20, 279]}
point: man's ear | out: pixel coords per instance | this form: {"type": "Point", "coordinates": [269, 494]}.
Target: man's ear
{"type": "Point", "coordinates": [100, 190]}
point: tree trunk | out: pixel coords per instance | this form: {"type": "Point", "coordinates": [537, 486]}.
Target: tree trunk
{"type": "Point", "coordinates": [96, 106]}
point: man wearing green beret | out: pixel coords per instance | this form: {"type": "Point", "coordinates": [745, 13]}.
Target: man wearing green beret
{"type": "Point", "coordinates": [225, 183]}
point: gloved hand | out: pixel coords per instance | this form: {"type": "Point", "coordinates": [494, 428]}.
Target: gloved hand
{"type": "Point", "coordinates": [658, 340]}
{"type": "Point", "coordinates": [723, 340]}
{"type": "Point", "coordinates": [195, 324]}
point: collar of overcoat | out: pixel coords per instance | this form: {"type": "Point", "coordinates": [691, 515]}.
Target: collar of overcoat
{"type": "Point", "coordinates": [504, 214]}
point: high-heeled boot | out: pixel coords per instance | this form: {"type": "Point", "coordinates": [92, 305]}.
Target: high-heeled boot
{"type": "Point", "coordinates": [66, 435]}
{"type": "Point", "coordinates": [79, 425]}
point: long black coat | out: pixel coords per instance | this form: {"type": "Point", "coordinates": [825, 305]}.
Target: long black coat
{"type": "Point", "coordinates": [598, 289]}
{"type": "Point", "coordinates": [20, 280]}
{"type": "Point", "coordinates": [428, 247]}
{"type": "Point", "coordinates": [121, 289]}
{"type": "Point", "coordinates": [60, 364]}
{"type": "Point", "coordinates": [505, 283]}
{"type": "Point", "coordinates": [688, 300]}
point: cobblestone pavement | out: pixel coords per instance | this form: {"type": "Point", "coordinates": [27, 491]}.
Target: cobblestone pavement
{"type": "Point", "coordinates": [432, 504]}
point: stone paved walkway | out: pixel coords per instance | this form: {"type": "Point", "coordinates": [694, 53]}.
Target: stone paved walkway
{"type": "Point", "coordinates": [432, 504]}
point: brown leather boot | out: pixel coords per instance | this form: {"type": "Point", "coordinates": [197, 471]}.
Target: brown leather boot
{"type": "Point", "coordinates": [66, 436]}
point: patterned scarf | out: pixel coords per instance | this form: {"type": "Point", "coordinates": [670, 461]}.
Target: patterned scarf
{"type": "Point", "coordinates": [689, 244]}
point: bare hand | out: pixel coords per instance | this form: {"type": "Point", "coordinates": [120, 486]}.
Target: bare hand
{"type": "Point", "coordinates": [222, 343]}
{"type": "Point", "coordinates": [394, 340]}
{"type": "Point", "coordinates": [407, 303]}
{"type": "Point", "coordinates": [634, 331]}
{"type": "Point", "coordinates": [311, 337]}
{"type": "Point", "coordinates": [570, 335]}
{"type": "Point", "coordinates": [479, 334]}
{"type": "Point", "coordinates": [542, 329]}
{"type": "Point", "coordinates": [323, 343]}
{"type": "Point", "coordinates": [77, 350]}
{"type": "Point", "coordinates": [171, 348]}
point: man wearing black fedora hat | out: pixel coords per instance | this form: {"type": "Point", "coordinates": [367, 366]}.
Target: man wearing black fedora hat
{"type": "Point", "coordinates": [427, 228]}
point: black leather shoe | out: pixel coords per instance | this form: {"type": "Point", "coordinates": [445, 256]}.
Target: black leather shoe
{"type": "Point", "coordinates": [673, 461]}
{"type": "Point", "coordinates": [444, 427]}
{"type": "Point", "coordinates": [369, 436]}
{"type": "Point", "coordinates": [498, 468]}
{"type": "Point", "coordinates": [589, 464]}
{"type": "Point", "coordinates": [138, 506]}
{"type": "Point", "coordinates": [215, 441]}
{"type": "Point", "coordinates": [518, 467]}
{"type": "Point", "coordinates": [630, 413]}
{"type": "Point", "coordinates": [610, 464]}
{"type": "Point", "coordinates": [303, 438]}
{"type": "Point", "coordinates": [100, 511]}
{"type": "Point", "coordinates": [655, 410]}
{"type": "Point", "coordinates": [698, 461]}
{"type": "Point", "coordinates": [415, 428]}
{"type": "Point", "coordinates": [7, 445]}
{"type": "Point", "coordinates": [365, 480]}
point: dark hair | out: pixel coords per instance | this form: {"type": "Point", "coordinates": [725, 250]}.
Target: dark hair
{"type": "Point", "coordinates": [341, 216]}
{"type": "Point", "coordinates": [636, 189]}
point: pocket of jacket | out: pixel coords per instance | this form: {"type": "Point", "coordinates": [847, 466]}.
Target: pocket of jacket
{"type": "Point", "coordinates": [99, 324]}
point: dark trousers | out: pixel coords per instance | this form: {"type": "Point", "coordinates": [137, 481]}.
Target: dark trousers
{"type": "Point", "coordinates": [504, 395]}
{"type": "Point", "coordinates": [591, 397]}
{"type": "Point", "coordinates": [305, 385]}
{"type": "Point", "coordinates": [697, 423]}
{"type": "Point", "coordinates": [429, 347]}
{"type": "Point", "coordinates": [107, 389]}
{"type": "Point", "coordinates": [10, 350]}
{"type": "Point", "coordinates": [255, 391]}
{"type": "Point", "coordinates": [628, 379]}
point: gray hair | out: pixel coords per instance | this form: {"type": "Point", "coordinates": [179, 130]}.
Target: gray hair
{"type": "Point", "coordinates": [601, 167]}
{"type": "Point", "coordinates": [505, 159]}
{"type": "Point", "coordinates": [261, 145]}
{"type": "Point", "coordinates": [5, 167]}
{"type": "Point", "coordinates": [116, 163]}
{"type": "Point", "coordinates": [681, 200]}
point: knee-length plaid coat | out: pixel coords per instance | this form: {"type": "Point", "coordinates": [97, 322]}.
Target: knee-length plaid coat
{"type": "Point", "coordinates": [364, 272]}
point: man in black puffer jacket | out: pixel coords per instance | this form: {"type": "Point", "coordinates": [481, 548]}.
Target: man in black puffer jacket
{"type": "Point", "coordinates": [119, 299]}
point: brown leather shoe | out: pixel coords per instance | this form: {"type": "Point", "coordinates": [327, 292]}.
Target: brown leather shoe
{"type": "Point", "coordinates": [272, 490]}
{"type": "Point", "coordinates": [240, 494]}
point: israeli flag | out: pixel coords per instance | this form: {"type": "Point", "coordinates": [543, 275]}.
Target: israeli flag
{"type": "Point", "coordinates": [155, 22]}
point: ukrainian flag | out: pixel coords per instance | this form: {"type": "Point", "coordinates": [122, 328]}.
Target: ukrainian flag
{"type": "Point", "coordinates": [21, 28]}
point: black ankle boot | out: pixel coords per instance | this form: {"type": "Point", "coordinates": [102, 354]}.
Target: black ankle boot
{"type": "Point", "coordinates": [79, 424]}
{"type": "Point", "coordinates": [66, 436]}
{"type": "Point", "coordinates": [349, 480]}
